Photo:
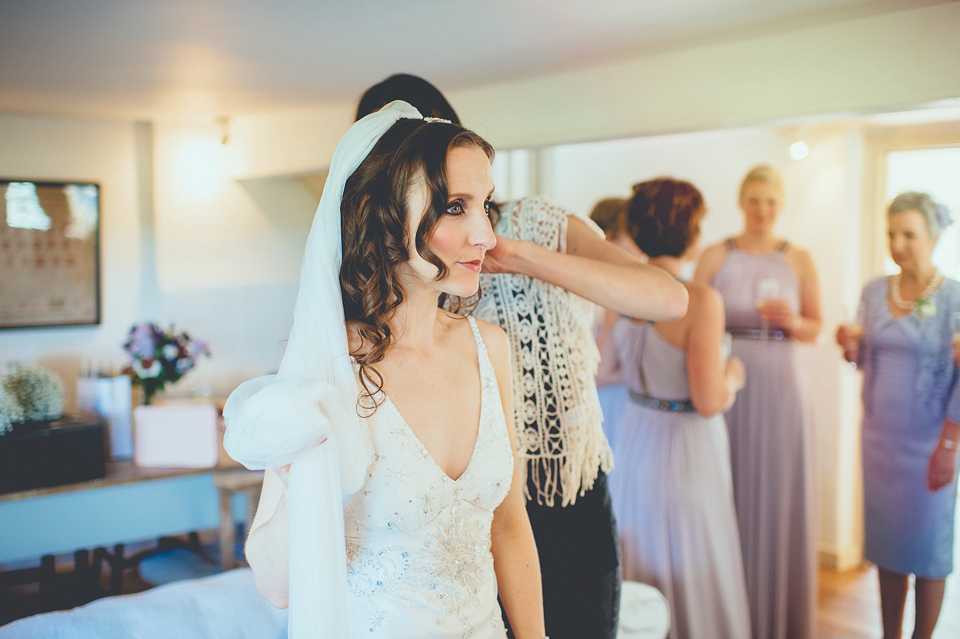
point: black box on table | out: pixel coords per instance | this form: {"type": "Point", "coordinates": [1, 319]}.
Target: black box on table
{"type": "Point", "coordinates": [51, 453]}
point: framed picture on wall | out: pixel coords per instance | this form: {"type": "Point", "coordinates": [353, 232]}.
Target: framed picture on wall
{"type": "Point", "coordinates": [49, 253]}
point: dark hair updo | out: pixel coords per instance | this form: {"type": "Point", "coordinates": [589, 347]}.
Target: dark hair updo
{"type": "Point", "coordinates": [664, 216]}
{"type": "Point", "coordinates": [412, 89]}
{"type": "Point", "coordinates": [373, 216]}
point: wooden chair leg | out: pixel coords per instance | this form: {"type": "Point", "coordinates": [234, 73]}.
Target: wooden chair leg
{"type": "Point", "coordinates": [80, 581]}
{"type": "Point", "coordinates": [48, 576]}
{"type": "Point", "coordinates": [96, 568]}
{"type": "Point", "coordinates": [117, 566]}
{"type": "Point", "coordinates": [227, 532]}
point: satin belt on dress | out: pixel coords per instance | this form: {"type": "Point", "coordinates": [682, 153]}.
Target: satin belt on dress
{"type": "Point", "coordinates": [759, 333]}
{"type": "Point", "coordinates": [675, 405]}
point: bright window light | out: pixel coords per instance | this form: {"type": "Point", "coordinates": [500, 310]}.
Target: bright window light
{"type": "Point", "coordinates": [23, 207]}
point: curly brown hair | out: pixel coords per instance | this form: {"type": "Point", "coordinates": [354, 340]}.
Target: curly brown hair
{"type": "Point", "coordinates": [664, 216]}
{"type": "Point", "coordinates": [373, 215]}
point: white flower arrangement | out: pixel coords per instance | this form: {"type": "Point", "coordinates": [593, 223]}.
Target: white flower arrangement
{"type": "Point", "coordinates": [11, 412]}
{"type": "Point", "coordinates": [37, 390]}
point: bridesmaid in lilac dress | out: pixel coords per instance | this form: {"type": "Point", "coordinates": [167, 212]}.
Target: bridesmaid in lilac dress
{"type": "Point", "coordinates": [672, 490]}
{"type": "Point", "coordinates": [911, 416]}
{"type": "Point", "coordinates": [771, 296]}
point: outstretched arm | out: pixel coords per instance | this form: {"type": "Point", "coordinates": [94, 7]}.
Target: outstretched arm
{"type": "Point", "coordinates": [594, 269]}
{"type": "Point", "coordinates": [515, 558]}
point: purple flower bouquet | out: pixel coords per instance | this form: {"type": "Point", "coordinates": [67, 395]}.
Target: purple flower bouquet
{"type": "Point", "coordinates": [159, 357]}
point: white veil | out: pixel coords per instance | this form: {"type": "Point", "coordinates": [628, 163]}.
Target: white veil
{"type": "Point", "coordinates": [276, 420]}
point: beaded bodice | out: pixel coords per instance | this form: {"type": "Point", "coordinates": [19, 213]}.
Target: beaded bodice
{"type": "Point", "coordinates": [418, 541]}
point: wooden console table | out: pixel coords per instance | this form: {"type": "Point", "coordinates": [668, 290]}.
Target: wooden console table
{"type": "Point", "coordinates": [129, 504]}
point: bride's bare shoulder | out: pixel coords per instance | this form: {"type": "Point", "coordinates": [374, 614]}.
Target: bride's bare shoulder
{"type": "Point", "coordinates": [493, 336]}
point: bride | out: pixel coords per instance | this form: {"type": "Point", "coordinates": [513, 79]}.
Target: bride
{"type": "Point", "coordinates": [390, 506]}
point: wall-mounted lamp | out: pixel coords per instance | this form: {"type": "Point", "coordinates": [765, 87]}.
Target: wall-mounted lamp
{"type": "Point", "coordinates": [224, 122]}
{"type": "Point", "coordinates": [799, 150]}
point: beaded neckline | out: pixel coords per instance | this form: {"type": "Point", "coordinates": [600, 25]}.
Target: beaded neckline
{"type": "Point", "coordinates": [922, 298]}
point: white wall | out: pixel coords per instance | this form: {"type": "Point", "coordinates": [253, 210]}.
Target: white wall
{"type": "Point", "coordinates": [104, 152]}
{"type": "Point", "coordinates": [894, 59]}
{"type": "Point", "coordinates": [821, 213]}
{"type": "Point", "coordinates": [227, 253]}
{"type": "Point", "coordinates": [180, 243]}
{"type": "Point", "coordinates": [878, 63]}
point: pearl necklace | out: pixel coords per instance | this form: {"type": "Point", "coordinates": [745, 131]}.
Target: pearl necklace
{"type": "Point", "coordinates": [925, 294]}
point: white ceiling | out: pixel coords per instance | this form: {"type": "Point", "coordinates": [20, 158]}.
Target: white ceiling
{"type": "Point", "coordinates": [149, 59]}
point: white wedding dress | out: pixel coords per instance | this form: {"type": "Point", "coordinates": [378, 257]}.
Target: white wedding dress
{"type": "Point", "coordinates": [419, 563]}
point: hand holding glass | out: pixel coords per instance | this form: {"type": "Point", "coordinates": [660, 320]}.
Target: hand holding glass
{"type": "Point", "coordinates": [850, 334]}
{"type": "Point", "coordinates": [767, 289]}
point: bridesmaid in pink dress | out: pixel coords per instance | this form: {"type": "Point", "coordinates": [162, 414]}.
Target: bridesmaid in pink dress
{"type": "Point", "coordinates": [771, 295]}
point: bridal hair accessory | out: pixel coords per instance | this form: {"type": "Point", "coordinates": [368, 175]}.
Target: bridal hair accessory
{"type": "Point", "coordinates": [943, 215]}
{"type": "Point", "coordinates": [441, 120]}
{"type": "Point", "coordinates": [280, 419]}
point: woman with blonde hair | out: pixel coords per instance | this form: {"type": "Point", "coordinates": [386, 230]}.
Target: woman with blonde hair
{"type": "Point", "coordinates": [771, 297]}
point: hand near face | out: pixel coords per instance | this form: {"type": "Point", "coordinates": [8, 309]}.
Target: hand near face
{"type": "Point", "coordinates": [777, 312]}
{"type": "Point", "coordinates": [955, 347]}
{"type": "Point", "coordinates": [942, 468]}
{"type": "Point", "coordinates": [501, 258]}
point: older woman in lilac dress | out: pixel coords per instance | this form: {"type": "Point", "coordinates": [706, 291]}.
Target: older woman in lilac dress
{"type": "Point", "coordinates": [911, 422]}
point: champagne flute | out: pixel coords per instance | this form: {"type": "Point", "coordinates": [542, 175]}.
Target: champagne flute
{"type": "Point", "coordinates": [768, 288]}
{"type": "Point", "coordinates": [855, 330]}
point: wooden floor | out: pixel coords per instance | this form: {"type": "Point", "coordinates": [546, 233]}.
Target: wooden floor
{"type": "Point", "coordinates": [849, 607]}
{"type": "Point", "coordinates": [849, 604]}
